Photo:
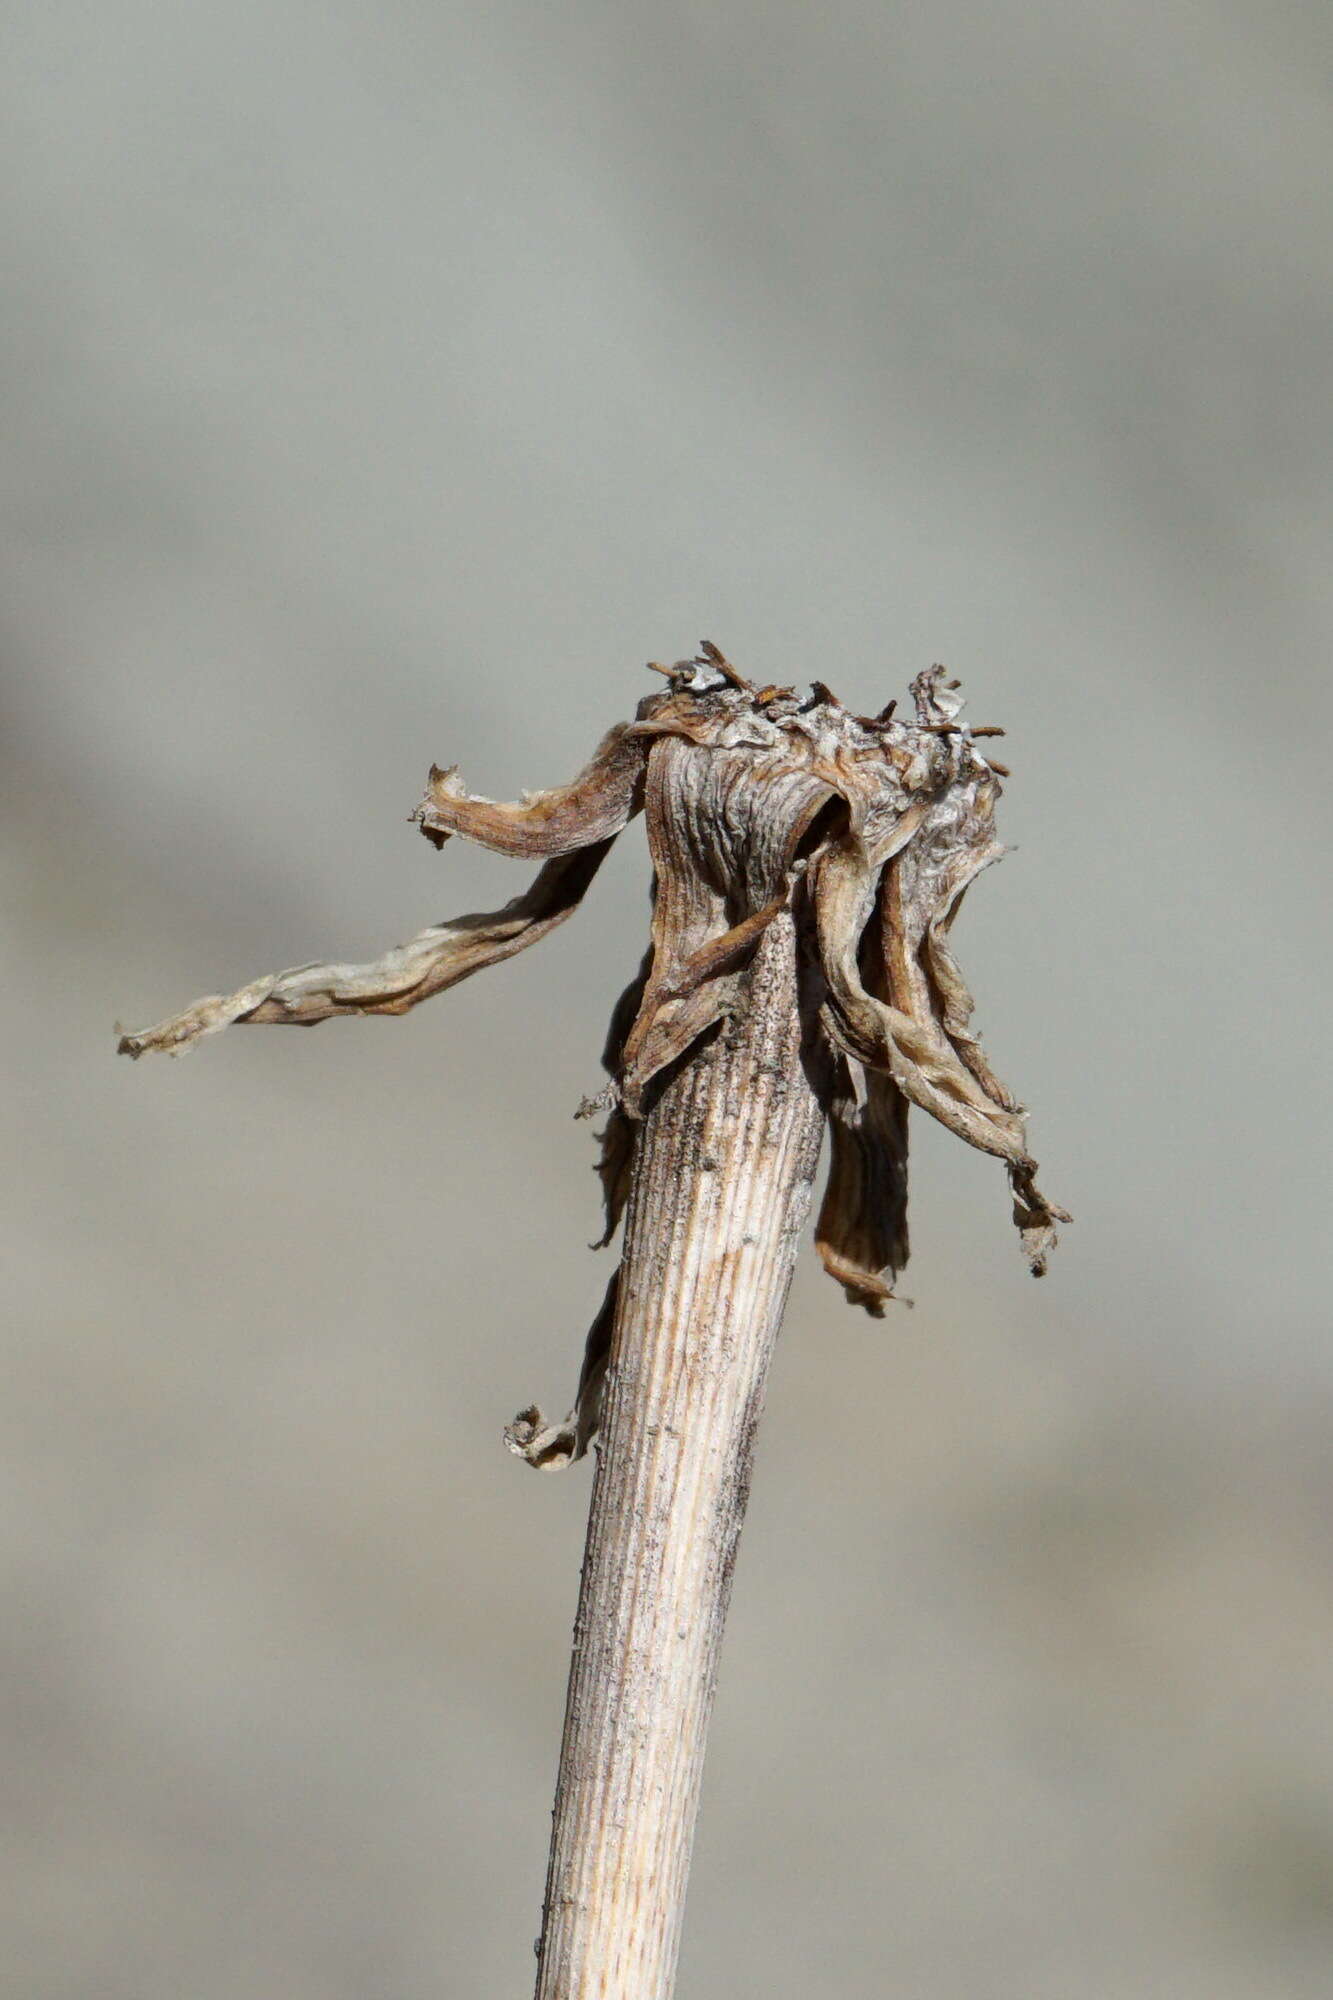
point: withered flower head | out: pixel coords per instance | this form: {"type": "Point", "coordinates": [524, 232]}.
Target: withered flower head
{"type": "Point", "coordinates": [757, 800]}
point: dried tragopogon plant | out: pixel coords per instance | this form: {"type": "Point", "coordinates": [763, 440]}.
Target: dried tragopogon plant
{"type": "Point", "coordinates": [808, 867]}
{"type": "Point", "coordinates": [869, 829]}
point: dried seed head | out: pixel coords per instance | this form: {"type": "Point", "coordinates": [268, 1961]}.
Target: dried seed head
{"type": "Point", "coordinates": [869, 830]}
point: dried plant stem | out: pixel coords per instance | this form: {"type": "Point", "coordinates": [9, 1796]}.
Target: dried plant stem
{"type": "Point", "coordinates": [721, 1187]}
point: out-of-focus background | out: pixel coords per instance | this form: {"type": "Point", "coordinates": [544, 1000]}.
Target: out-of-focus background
{"type": "Point", "coordinates": [385, 384]}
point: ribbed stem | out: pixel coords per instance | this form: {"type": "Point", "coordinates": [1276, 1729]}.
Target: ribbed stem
{"type": "Point", "coordinates": [721, 1188]}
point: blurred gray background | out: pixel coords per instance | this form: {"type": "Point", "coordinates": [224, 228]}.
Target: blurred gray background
{"type": "Point", "coordinates": [386, 384]}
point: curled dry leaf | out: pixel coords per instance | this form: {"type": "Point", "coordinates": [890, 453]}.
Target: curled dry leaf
{"type": "Point", "coordinates": [867, 830]}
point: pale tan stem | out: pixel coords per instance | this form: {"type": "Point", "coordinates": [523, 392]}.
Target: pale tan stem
{"type": "Point", "coordinates": [721, 1188]}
